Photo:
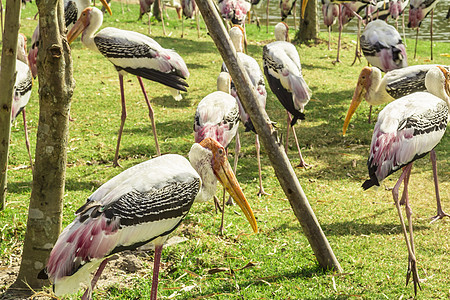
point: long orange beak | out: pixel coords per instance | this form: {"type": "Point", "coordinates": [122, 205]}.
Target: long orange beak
{"type": "Point", "coordinates": [356, 101]}
{"type": "Point", "coordinates": [224, 173]}
{"type": "Point", "coordinates": [79, 25]}
{"type": "Point", "coordinates": [304, 2]}
{"type": "Point", "coordinates": [106, 5]}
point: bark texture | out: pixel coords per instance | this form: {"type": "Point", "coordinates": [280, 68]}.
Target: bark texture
{"type": "Point", "coordinates": [7, 80]}
{"type": "Point", "coordinates": [309, 25]}
{"type": "Point", "coordinates": [55, 92]}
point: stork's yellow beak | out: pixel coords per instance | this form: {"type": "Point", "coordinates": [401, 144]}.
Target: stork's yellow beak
{"type": "Point", "coordinates": [304, 2]}
{"type": "Point", "coordinates": [447, 79]}
{"type": "Point", "coordinates": [106, 5]}
{"type": "Point", "coordinates": [356, 101]}
{"type": "Point", "coordinates": [79, 25]}
{"type": "Point", "coordinates": [224, 173]}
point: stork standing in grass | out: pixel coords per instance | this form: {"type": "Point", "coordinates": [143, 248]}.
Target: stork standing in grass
{"type": "Point", "coordinates": [143, 204]}
{"type": "Point", "coordinates": [383, 47]}
{"type": "Point", "coordinates": [133, 53]}
{"type": "Point", "coordinates": [217, 117]}
{"type": "Point", "coordinates": [395, 84]}
{"type": "Point", "coordinates": [284, 73]}
{"type": "Point", "coordinates": [408, 129]}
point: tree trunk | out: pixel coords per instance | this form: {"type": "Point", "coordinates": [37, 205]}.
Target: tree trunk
{"type": "Point", "coordinates": [55, 92]}
{"type": "Point", "coordinates": [269, 137]}
{"type": "Point", "coordinates": [7, 80]}
{"type": "Point", "coordinates": [309, 25]}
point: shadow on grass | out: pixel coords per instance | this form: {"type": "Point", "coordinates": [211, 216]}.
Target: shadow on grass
{"type": "Point", "coordinates": [356, 228]}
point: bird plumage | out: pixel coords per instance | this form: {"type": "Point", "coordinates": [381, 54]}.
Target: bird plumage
{"type": "Point", "coordinates": [22, 88]}
{"type": "Point", "coordinates": [142, 204]}
{"type": "Point", "coordinates": [383, 47]}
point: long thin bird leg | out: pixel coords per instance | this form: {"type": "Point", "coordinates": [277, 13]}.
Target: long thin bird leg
{"type": "Point", "coordinates": [302, 163]}
{"type": "Point", "coordinates": [258, 157]}
{"type": "Point", "coordinates": [412, 267]}
{"type": "Point", "coordinates": [267, 17]}
{"type": "Point", "coordinates": [294, 15]}
{"type": "Point", "coordinates": [412, 264]}
{"type": "Point", "coordinates": [197, 20]}
{"type": "Point", "coordinates": [162, 17]}
{"type": "Point", "coordinates": [329, 38]}
{"type": "Point", "coordinates": [149, 24]}
{"type": "Point", "coordinates": [151, 115]}
{"type": "Point", "coordinates": [340, 34]}
{"type": "Point", "coordinates": [415, 47]}
{"type": "Point", "coordinates": [357, 53]}
{"type": "Point", "coordinates": [223, 213]}
{"type": "Point", "coordinates": [27, 140]}
{"type": "Point", "coordinates": [182, 27]}
{"type": "Point", "coordinates": [88, 293]}
{"type": "Point", "coordinates": [237, 150]}
{"type": "Point", "coordinates": [370, 115]}
{"type": "Point", "coordinates": [286, 144]}
{"type": "Point", "coordinates": [440, 213]}
{"type": "Point", "coordinates": [431, 32]}
{"type": "Point", "coordinates": [156, 263]}
{"type": "Point", "coordinates": [123, 117]}
{"type": "Point", "coordinates": [405, 190]}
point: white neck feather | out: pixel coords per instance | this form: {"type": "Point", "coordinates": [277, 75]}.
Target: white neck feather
{"type": "Point", "coordinates": [95, 22]}
{"type": "Point", "coordinates": [377, 91]}
{"type": "Point", "coordinates": [434, 82]}
{"type": "Point", "coordinates": [237, 38]}
{"type": "Point", "coordinates": [200, 159]}
{"type": "Point", "coordinates": [280, 32]}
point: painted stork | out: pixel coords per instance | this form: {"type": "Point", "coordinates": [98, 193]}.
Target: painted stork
{"type": "Point", "coordinates": [134, 53]}
{"type": "Point", "coordinates": [143, 204]}
{"type": "Point", "coordinates": [287, 7]}
{"type": "Point", "coordinates": [251, 67]}
{"type": "Point", "coordinates": [234, 11]}
{"type": "Point", "coordinates": [72, 12]}
{"type": "Point", "coordinates": [330, 11]}
{"type": "Point", "coordinates": [408, 129]}
{"type": "Point", "coordinates": [395, 84]}
{"type": "Point", "coordinates": [418, 10]}
{"type": "Point", "coordinates": [217, 117]}
{"type": "Point", "coordinates": [284, 73]}
{"type": "Point", "coordinates": [189, 9]}
{"type": "Point", "coordinates": [383, 47]}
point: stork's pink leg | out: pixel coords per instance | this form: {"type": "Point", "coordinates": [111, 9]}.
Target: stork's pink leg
{"type": "Point", "coordinates": [415, 47]}
{"type": "Point", "coordinates": [341, 26]}
{"type": "Point", "coordinates": [123, 117]}
{"type": "Point", "coordinates": [151, 115]}
{"type": "Point", "coordinates": [286, 144]}
{"type": "Point", "coordinates": [27, 140]}
{"type": "Point", "coordinates": [440, 213]}
{"type": "Point", "coordinates": [258, 157]}
{"type": "Point", "coordinates": [370, 114]}
{"type": "Point", "coordinates": [88, 293]}
{"type": "Point", "coordinates": [156, 263]}
{"type": "Point", "coordinates": [431, 32]}
{"type": "Point", "coordinates": [405, 196]}
{"type": "Point", "coordinates": [412, 263]}
{"type": "Point", "coordinates": [267, 16]}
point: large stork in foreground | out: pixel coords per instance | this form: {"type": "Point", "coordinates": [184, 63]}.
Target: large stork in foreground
{"type": "Point", "coordinates": [284, 73]}
{"type": "Point", "coordinates": [134, 53]}
{"type": "Point", "coordinates": [395, 84]}
{"type": "Point", "coordinates": [253, 70]}
{"type": "Point", "coordinates": [383, 47]}
{"type": "Point", "coordinates": [408, 129]}
{"type": "Point", "coordinates": [143, 204]}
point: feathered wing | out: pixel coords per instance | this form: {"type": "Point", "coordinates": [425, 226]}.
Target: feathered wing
{"type": "Point", "coordinates": [137, 206]}
{"type": "Point", "coordinates": [149, 59]}
{"type": "Point", "coordinates": [406, 130]}
{"type": "Point", "coordinates": [283, 72]}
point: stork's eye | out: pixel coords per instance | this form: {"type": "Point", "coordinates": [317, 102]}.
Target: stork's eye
{"type": "Point", "coordinates": [220, 151]}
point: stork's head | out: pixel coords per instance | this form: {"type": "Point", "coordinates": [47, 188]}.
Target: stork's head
{"type": "Point", "coordinates": [282, 32]}
{"type": "Point", "coordinates": [209, 157]}
{"type": "Point", "coordinates": [437, 82]}
{"type": "Point", "coordinates": [363, 85]}
{"type": "Point", "coordinates": [88, 15]}
{"type": "Point", "coordinates": [22, 48]}
{"type": "Point", "coordinates": [237, 36]}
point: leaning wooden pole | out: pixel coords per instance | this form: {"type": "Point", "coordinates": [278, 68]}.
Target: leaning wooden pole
{"type": "Point", "coordinates": [7, 79]}
{"type": "Point", "coordinates": [268, 135]}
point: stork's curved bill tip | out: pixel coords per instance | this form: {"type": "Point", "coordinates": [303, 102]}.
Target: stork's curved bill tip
{"type": "Point", "coordinates": [107, 7]}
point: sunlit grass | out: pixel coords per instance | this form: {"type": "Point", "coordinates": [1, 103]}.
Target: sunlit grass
{"type": "Point", "coordinates": [362, 227]}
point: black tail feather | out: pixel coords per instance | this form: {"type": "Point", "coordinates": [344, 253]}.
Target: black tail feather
{"type": "Point", "coordinates": [169, 79]}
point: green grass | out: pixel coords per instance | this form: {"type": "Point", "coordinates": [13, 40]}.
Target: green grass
{"type": "Point", "coordinates": [362, 227]}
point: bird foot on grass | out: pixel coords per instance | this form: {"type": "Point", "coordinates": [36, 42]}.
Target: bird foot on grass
{"type": "Point", "coordinates": [230, 202]}
{"type": "Point", "coordinates": [262, 192]}
{"type": "Point", "coordinates": [116, 164]}
{"type": "Point", "coordinates": [334, 62]}
{"type": "Point", "coordinates": [412, 269]}
{"type": "Point", "coordinates": [303, 164]}
{"type": "Point", "coordinates": [217, 205]}
{"type": "Point", "coordinates": [440, 215]}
